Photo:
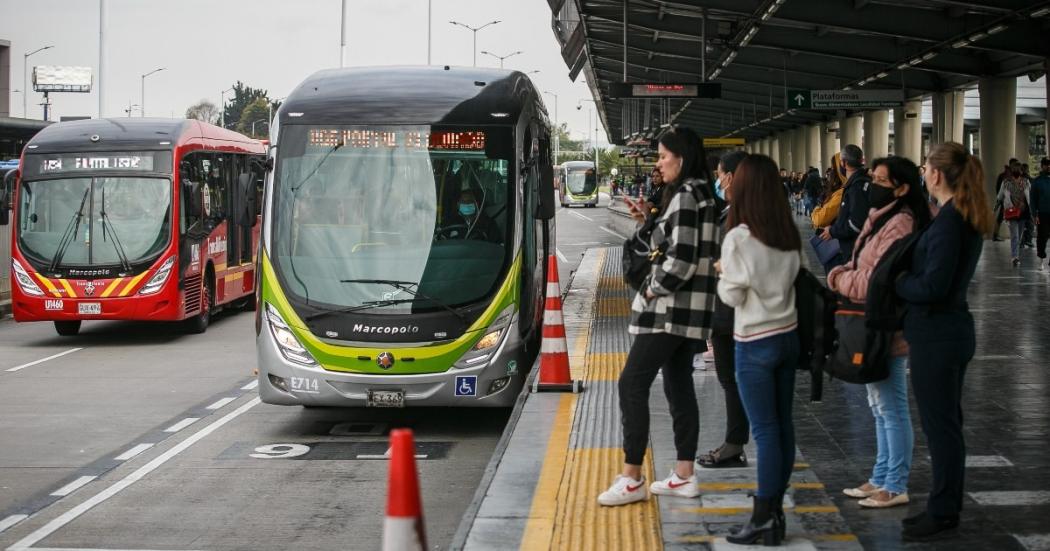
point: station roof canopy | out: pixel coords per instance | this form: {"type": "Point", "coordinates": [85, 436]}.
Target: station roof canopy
{"type": "Point", "coordinates": [759, 49]}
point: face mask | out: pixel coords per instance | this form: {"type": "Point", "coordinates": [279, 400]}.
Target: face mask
{"type": "Point", "coordinates": [879, 196]}
{"type": "Point", "coordinates": [719, 191]}
{"type": "Point", "coordinates": [1016, 173]}
{"type": "Point", "coordinates": [468, 209]}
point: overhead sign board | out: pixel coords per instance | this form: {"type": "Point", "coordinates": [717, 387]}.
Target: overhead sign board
{"type": "Point", "coordinates": [50, 78]}
{"type": "Point", "coordinates": [844, 99]}
{"type": "Point", "coordinates": [724, 142]}
{"type": "Point", "coordinates": [665, 90]}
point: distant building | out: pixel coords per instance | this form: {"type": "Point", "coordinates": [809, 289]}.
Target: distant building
{"type": "Point", "coordinates": [5, 78]}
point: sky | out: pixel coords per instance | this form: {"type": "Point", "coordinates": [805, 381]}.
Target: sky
{"type": "Point", "coordinates": [207, 45]}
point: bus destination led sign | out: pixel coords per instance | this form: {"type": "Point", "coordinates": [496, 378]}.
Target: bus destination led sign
{"type": "Point", "coordinates": [665, 90]}
{"type": "Point", "coordinates": [469, 140]}
{"type": "Point", "coordinates": [78, 163]}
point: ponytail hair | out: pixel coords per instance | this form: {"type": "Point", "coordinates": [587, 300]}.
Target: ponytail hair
{"type": "Point", "coordinates": [964, 176]}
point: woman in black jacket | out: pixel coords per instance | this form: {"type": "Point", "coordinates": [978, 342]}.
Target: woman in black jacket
{"type": "Point", "coordinates": [939, 327]}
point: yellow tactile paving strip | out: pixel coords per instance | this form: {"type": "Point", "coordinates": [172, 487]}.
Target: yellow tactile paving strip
{"type": "Point", "coordinates": [544, 512]}
{"type": "Point", "coordinates": [583, 524]}
{"type": "Point", "coordinates": [605, 366]}
{"type": "Point", "coordinates": [612, 308]}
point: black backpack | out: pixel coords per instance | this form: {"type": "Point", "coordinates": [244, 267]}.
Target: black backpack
{"type": "Point", "coordinates": [816, 327]}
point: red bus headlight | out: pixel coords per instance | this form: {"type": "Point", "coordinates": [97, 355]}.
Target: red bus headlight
{"type": "Point", "coordinates": [157, 281]}
{"type": "Point", "coordinates": [25, 282]}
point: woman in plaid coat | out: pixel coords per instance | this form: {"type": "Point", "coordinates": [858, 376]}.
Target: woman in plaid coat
{"type": "Point", "coordinates": [670, 318]}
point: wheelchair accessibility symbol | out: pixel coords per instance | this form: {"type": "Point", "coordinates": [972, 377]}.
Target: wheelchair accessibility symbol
{"type": "Point", "coordinates": [467, 385]}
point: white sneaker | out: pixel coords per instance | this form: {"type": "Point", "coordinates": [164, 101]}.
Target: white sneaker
{"type": "Point", "coordinates": [675, 485]}
{"type": "Point", "coordinates": [624, 490]}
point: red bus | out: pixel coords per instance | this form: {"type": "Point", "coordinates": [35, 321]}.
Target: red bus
{"type": "Point", "coordinates": [134, 219]}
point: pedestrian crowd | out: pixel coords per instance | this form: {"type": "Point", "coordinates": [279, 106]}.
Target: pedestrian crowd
{"type": "Point", "coordinates": [899, 245]}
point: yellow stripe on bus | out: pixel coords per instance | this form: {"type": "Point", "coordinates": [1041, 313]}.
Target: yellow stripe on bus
{"type": "Point", "coordinates": [112, 287]}
{"type": "Point", "coordinates": [234, 277]}
{"type": "Point", "coordinates": [69, 288]}
{"type": "Point", "coordinates": [133, 282]}
{"type": "Point", "coordinates": [50, 286]}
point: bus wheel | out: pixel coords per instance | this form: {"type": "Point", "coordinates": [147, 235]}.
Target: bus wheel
{"type": "Point", "coordinates": [199, 323]}
{"type": "Point", "coordinates": [67, 328]}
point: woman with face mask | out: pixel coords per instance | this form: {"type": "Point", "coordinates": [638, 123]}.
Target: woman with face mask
{"type": "Point", "coordinates": [898, 209]}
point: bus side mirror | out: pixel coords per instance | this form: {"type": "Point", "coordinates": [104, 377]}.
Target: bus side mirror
{"type": "Point", "coordinates": [6, 192]}
{"type": "Point", "coordinates": [246, 215]}
{"type": "Point", "coordinates": [545, 207]}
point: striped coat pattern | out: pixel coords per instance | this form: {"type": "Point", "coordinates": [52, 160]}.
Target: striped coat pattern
{"type": "Point", "coordinates": [684, 280]}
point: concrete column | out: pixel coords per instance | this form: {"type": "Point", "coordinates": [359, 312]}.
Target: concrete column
{"type": "Point", "coordinates": [850, 131]}
{"type": "Point", "coordinates": [813, 145]}
{"type": "Point", "coordinates": [774, 148]}
{"type": "Point", "coordinates": [784, 151]}
{"type": "Point", "coordinates": [829, 145]}
{"type": "Point", "coordinates": [876, 134]}
{"type": "Point", "coordinates": [998, 125]}
{"type": "Point", "coordinates": [907, 132]}
{"type": "Point", "coordinates": [1021, 143]}
{"type": "Point", "coordinates": [948, 117]}
{"type": "Point", "coordinates": [798, 149]}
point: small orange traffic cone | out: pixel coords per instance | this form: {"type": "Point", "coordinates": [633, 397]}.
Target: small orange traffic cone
{"type": "Point", "coordinates": [403, 525]}
{"type": "Point", "coordinates": [554, 351]}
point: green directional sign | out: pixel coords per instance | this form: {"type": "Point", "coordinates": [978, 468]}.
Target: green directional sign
{"type": "Point", "coordinates": [799, 99]}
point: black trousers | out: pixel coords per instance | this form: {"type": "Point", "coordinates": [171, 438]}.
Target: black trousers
{"type": "Point", "coordinates": [1042, 234]}
{"type": "Point", "coordinates": [649, 354]}
{"type": "Point", "coordinates": [737, 428]}
{"type": "Point", "coordinates": [937, 371]}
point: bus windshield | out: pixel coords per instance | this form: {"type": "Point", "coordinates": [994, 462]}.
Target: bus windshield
{"type": "Point", "coordinates": [101, 218]}
{"type": "Point", "coordinates": [353, 205]}
{"type": "Point", "coordinates": [581, 182]}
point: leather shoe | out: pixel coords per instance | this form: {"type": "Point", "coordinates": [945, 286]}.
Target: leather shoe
{"type": "Point", "coordinates": [929, 528]}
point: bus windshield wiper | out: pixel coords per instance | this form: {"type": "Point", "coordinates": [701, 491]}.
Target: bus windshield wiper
{"type": "Point", "coordinates": [112, 231]}
{"type": "Point", "coordinates": [70, 233]}
{"type": "Point", "coordinates": [291, 212]}
{"type": "Point", "coordinates": [406, 287]}
{"type": "Point", "coordinates": [363, 306]}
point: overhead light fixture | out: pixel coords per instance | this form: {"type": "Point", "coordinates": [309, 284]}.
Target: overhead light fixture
{"type": "Point", "coordinates": [903, 66]}
{"type": "Point", "coordinates": [882, 75]}
{"type": "Point", "coordinates": [1040, 12]}
{"type": "Point", "coordinates": [978, 36]}
{"type": "Point", "coordinates": [768, 14]}
{"type": "Point", "coordinates": [997, 29]}
{"type": "Point", "coordinates": [731, 56]}
{"type": "Point", "coordinates": [915, 61]}
{"type": "Point", "coordinates": [961, 44]}
{"type": "Point", "coordinates": [848, 88]}
{"type": "Point", "coordinates": [862, 83]}
{"type": "Point", "coordinates": [715, 74]}
{"type": "Point", "coordinates": [929, 56]}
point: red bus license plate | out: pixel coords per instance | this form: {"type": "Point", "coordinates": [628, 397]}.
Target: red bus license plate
{"type": "Point", "coordinates": [89, 308]}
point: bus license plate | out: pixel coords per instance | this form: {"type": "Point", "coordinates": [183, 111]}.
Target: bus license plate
{"type": "Point", "coordinates": [89, 308]}
{"type": "Point", "coordinates": [386, 399]}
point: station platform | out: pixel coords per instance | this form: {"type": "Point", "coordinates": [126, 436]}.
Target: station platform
{"type": "Point", "coordinates": [561, 450]}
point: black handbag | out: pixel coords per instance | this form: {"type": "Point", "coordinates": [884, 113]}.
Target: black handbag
{"type": "Point", "coordinates": [638, 256]}
{"type": "Point", "coordinates": [861, 354]}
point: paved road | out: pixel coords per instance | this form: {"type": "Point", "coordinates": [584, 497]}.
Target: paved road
{"type": "Point", "coordinates": [135, 436]}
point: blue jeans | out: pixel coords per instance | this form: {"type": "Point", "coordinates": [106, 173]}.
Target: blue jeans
{"type": "Point", "coordinates": [1016, 227]}
{"type": "Point", "coordinates": [889, 404]}
{"type": "Point", "coordinates": [765, 373]}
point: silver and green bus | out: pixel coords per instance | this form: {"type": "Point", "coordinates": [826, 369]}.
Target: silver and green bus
{"type": "Point", "coordinates": [579, 184]}
{"type": "Point", "coordinates": [408, 217]}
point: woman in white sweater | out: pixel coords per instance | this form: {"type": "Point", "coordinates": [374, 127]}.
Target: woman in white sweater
{"type": "Point", "coordinates": [760, 259]}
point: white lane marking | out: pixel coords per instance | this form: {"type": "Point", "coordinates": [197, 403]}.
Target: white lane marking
{"type": "Point", "coordinates": [561, 256]}
{"type": "Point", "coordinates": [11, 521]}
{"type": "Point", "coordinates": [1033, 542]}
{"type": "Point", "coordinates": [134, 451]}
{"type": "Point", "coordinates": [91, 549]}
{"type": "Point", "coordinates": [182, 424]}
{"type": "Point", "coordinates": [221, 403]}
{"type": "Point", "coordinates": [990, 357]}
{"type": "Point", "coordinates": [251, 385]}
{"type": "Point", "coordinates": [72, 486]}
{"type": "Point", "coordinates": [1004, 295]}
{"type": "Point", "coordinates": [386, 455]}
{"type": "Point", "coordinates": [42, 360]}
{"type": "Point", "coordinates": [987, 461]}
{"type": "Point", "coordinates": [604, 229]}
{"type": "Point", "coordinates": [1020, 497]}
{"type": "Point", "coordinates": [70, 515]}
{"type": "Point", "coordinates": [578, 215]}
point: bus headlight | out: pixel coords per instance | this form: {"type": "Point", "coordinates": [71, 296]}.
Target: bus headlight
{"type": "Point", "coordinates": [25, 282]}
{"type": "Point", "coordinates": [487, 344]}
{"type": "Point", "coordinates": [157, 281]}
{"type": "Point", "coordinates": [286, 341]}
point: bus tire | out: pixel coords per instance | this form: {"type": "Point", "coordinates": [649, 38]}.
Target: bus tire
{"type": "Point", "coordinates": [199, 323]}
{"type": "Point", "coordinates": [67, 328]}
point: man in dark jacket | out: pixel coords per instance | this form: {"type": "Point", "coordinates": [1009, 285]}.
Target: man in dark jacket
{"type": "Point", "coordinates": [854, 208]}
{"type": "Point", "coordinates": [812, 189]}
{"type": "Point", "coordinates": [1040, 205]}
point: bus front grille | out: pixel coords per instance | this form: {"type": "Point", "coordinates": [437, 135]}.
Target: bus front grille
{"type": "Point", "coordinates": [193, 293]}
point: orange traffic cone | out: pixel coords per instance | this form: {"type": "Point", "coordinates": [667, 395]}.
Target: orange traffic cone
{"type": "Point", "coordinates": [554, 351]}
{"type": "Point", "coordinates": [403, 525]}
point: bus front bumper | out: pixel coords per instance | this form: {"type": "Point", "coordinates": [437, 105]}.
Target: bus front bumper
{"type": "Point", "coordinates": [496, 382]}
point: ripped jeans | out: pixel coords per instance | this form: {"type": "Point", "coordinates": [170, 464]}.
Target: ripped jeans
{"type": "Point", "coordinates": [894, 437]}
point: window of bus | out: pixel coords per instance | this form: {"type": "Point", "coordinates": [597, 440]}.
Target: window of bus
{"type": "Point", "coordinates": [581, 182]}
{"type": "Point", "coordinates": [405, 203]}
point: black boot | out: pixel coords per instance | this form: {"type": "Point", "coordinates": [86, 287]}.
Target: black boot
{"type": "Point", "coordinates": [762, 527]}
{"type": "Point", "coordinates": [777, 507]}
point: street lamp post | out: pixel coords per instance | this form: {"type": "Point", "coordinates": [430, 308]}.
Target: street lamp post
{"type": "Point", "coordinates": [25, 79]}
{"type": "Point", "coordinates": [475, 31]}
{"type": "Point", "coordinates": [131, 107]}
{"type": "Point", "coordinates": [501, 57]}
{"type": "Point", "coordinates": [270, 105]}
{"type": "Point", "coordinates": [222, 107]}
{"type": "Point", "coordinates": [557, 129]}
{"type": "Point", "coordinates": [142, 100]}
{"type": "Point", "coordinates": [258, 121]}
{"type": "Point", "coordinates": [594, 116]}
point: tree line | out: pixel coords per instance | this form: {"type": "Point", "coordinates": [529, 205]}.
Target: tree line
{"type": "Point", "coordinates": [247, 111]}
